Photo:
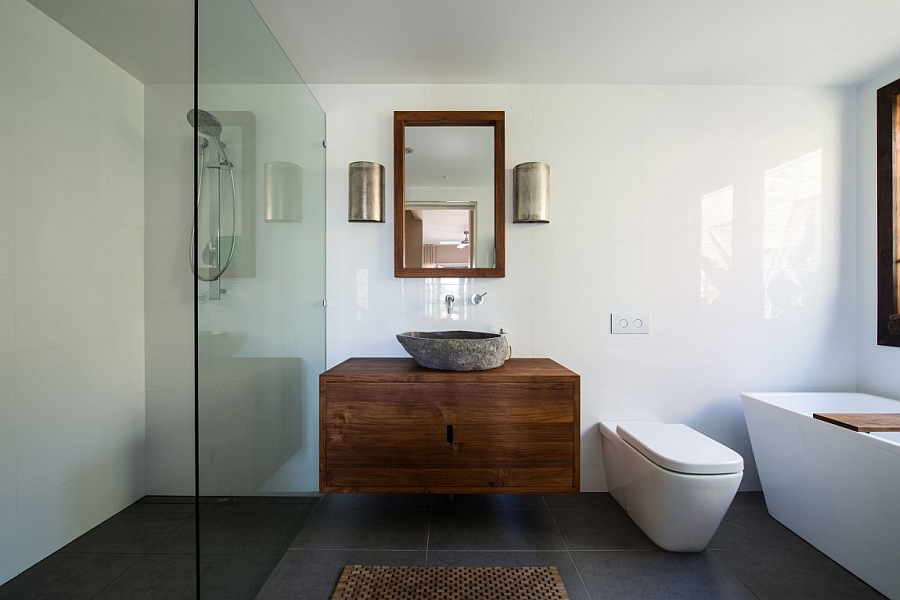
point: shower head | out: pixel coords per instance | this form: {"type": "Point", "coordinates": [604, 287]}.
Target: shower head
{"type": "Point", "coordinates": [208, 125]}
{"type": "Point", "coordinates": [204, 123]}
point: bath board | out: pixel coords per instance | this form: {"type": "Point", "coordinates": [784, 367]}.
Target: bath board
{"type": "Point", "coordinates": [460, 583]}
{"type": "Point", "coordinates": [863, 422]}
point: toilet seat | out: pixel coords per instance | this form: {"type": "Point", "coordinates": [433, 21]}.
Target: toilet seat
{"type": "Point", "coordinates": [679, 448]}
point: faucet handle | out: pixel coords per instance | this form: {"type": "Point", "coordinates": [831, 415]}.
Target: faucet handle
{"type": "Point", "coordinates": [478, 298]}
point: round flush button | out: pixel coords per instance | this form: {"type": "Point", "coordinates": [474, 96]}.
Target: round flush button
{"type": "Point", "coordinates": [623, 323]}
{"type": "Point", "coordinates": [638, 323]}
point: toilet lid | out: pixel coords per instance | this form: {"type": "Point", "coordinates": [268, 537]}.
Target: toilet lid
{"type": "Point", "coordinates": [679, 448]}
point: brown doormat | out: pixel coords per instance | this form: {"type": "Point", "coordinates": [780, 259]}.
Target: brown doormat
{"type": "Point", "coordinates": [449, 583]}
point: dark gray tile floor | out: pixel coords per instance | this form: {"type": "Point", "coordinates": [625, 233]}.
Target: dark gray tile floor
{"type": "Point", "coordinates": [295, 548]}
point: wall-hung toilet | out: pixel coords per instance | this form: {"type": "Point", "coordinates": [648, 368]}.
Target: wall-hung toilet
{"type": "Point", "coordinates": [674, 482]}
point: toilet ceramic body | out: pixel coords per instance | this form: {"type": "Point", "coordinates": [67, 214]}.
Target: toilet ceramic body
{"type": "Point", "coordinates": [680, 504]}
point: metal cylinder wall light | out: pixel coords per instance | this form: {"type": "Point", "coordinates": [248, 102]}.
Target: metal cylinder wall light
{"type": "Point", "coordinates": [283, 182]}
{"type": "Point", "coordinates": [531, 193]}
{"type": "Point", "coordinates": [366, 202]}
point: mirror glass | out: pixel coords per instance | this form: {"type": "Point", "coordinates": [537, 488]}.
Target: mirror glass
{"type": "Point", "coordinates": [448, 202]}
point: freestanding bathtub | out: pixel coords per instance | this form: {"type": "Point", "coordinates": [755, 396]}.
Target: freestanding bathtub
{"type": "Point", "coordinates": [836, 488]}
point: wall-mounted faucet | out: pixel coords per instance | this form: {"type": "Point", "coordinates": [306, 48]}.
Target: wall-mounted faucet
{"type": "Point", "coordinates": [450, 299]}
{"type": "Point", "coordinates": [478, 298]}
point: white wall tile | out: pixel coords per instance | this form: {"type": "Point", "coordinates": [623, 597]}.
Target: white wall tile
{"type": "Point", "coordinates": [8, 491]}
{"type": "Point", "coordinates": [8, 159]}
{"type": "Point", "coordinates": [170, 365]}
{"type": "Point", "coordinates": [170, 469]}
{"type": "Point", "coordinates": [167, 254]}
{"type": "Point", "coordinates": [169, 310]}
{"type": "Point", "coordinates": [94, 311]}
{"type": "Point", "coordinates": [71, 286]}
{"type": "Point", "coordinates": [170, 418]}
{"type": "Point", "coordinates": [10, 556]}
{"type": "Point", "coordinates": [7, 314]}
{"type": "Point", "coordinates": [9, 416]}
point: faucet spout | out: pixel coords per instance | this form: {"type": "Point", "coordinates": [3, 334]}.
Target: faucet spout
{"type": "Point", "coordinates": [449, 299]}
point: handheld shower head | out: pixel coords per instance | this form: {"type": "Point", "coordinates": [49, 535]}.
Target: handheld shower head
{"type": "Point", "coordinates": [205, 123]}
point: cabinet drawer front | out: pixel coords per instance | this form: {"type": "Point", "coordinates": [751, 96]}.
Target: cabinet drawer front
{"type": "Point", "coordinates": [472, 446]}
{"type": "Point", "coordinates": [402, 403]}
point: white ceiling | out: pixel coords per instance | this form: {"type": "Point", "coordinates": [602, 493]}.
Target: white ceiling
{"type": "Point", "coordinates": [795, 42]}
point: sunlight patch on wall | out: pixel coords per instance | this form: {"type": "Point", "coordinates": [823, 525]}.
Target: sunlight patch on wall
{"type": "Point", "coordinates": [792, 235]}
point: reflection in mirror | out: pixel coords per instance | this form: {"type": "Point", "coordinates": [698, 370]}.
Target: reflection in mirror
{"type": "Point", "coordinates": [439, 237]}
{"type": "Point", "coordinates": [448, 194]}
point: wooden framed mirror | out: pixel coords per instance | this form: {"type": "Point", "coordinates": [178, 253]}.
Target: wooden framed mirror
{"type": "Point", "coordinates": [449, 194]}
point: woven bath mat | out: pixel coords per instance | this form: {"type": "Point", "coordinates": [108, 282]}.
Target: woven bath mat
{"type": "Point", "coordinates": [449, 583]}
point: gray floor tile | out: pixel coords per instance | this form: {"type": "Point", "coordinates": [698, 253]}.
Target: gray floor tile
{"type": "Point", "coordinates": [128, 532]}
{"type": "Point", "coordinates": [236, 576]}
{"type": "Point", "coordinates": [72, 576]}
{"type": "Point", "coordinates": [166, 500]}
{"type": "Point", "coordinates": [748, 500]}
{"type": "Point", "coordinates": [475, 529]}
{"type": "Point", "coordinates": [601, 530]}
{"type": "Point", "coordinates": [261, 504]}
{"type": "Point", "coordinates": [656, 574]}
{"type": "Point", "coordinates": [753, 529]}
{"type": "Point", "coordinates": [378, 501]}
{"type": "Point", "coordinates": [364, 529]}
{"type": "Point", "coordinates": [594, 544]}
{"type": "Point", "coordinates": [559, 559]}
{"type": "Point", "coordinates": [582, 501]}
{"type": "Point", "coordinates": [181, 541]}
{"type": "Point", "coordinates": [173, 507]}
{"type": "Point", "coordinates": [312, 574]}
{"type": "Point", "coordinates": [489, 502]}
{"type": "Point", "coordinates": [183, 504]}
{"type": "Point", "coordinates": [154, 577]}
{"type": "Point", "coordinates": [249, 533]}
{"type": "Point", "coordinates": [795, 574]}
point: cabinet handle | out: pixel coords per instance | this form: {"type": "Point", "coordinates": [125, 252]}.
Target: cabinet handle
{"type": "Point", "coordinates": [449, 434]}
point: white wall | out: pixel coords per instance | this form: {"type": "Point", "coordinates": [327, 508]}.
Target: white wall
{"type": "Point", "coordinates": [71, 288]}
{"type": "Point", "coordinates": [169, 290]}
{"type": "Point", "coordinates": [643, 178]}
{"type": "Point", "coordinates": [877, 366]}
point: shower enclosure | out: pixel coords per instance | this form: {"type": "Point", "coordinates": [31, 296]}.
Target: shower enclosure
{"type": "Point", "coordinates": [260, 289]}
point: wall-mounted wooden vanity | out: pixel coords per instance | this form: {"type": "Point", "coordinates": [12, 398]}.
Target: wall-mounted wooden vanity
{"type": "Point", "coordinates": [389, 425]}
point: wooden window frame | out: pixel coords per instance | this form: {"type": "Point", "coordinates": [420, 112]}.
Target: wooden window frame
{"type": "Point", "coordinates": [888, 219]}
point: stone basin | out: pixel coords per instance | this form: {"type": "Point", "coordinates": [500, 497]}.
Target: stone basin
{"type": "Point", "coordinates": [456, 350]}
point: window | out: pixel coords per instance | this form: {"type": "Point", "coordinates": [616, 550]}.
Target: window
{"type": "Point", "coordinates": [888, 140]}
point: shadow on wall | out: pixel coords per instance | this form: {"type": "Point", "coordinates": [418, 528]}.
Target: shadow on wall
{"type": "Point", "coordinates": [721, 420]}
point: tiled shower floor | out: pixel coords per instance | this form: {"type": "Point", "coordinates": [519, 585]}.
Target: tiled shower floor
{"type": "Point", "coordinates": [296, 548]}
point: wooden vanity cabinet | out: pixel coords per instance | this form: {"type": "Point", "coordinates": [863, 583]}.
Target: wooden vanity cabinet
{"type": "Point", "coordinates": [389, 425]}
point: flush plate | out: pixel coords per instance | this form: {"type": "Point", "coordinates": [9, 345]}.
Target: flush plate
{"type": "Point", "coordinates": [630, 322]}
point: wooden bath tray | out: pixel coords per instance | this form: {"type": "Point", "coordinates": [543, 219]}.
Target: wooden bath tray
{"type": "Point", "coordinates": [864, 422]}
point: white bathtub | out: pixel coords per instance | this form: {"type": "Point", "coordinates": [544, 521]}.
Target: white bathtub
{"type": "Point", "coordinates": [836, 488]}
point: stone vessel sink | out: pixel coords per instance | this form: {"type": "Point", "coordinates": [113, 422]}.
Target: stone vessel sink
{"type": "Point", "coordinates": [456, 350]}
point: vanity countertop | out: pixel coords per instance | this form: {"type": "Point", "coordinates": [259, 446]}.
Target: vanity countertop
{"type": "Point", "coordinates": [406, 369]}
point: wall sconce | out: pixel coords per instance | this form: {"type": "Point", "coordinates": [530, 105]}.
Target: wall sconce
{"type": "Point", "coordinates": [366, 202]}
{"type": "Point", "coordinates": [531, 193]}
{"type": "Point", "coordinates": [282, 191]}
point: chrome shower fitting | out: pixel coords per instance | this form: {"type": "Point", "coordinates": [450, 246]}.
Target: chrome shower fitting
{"type": "Point", "coordinates": [449, 299]}
{"type": "Point", "coordinates": [478, 298]}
